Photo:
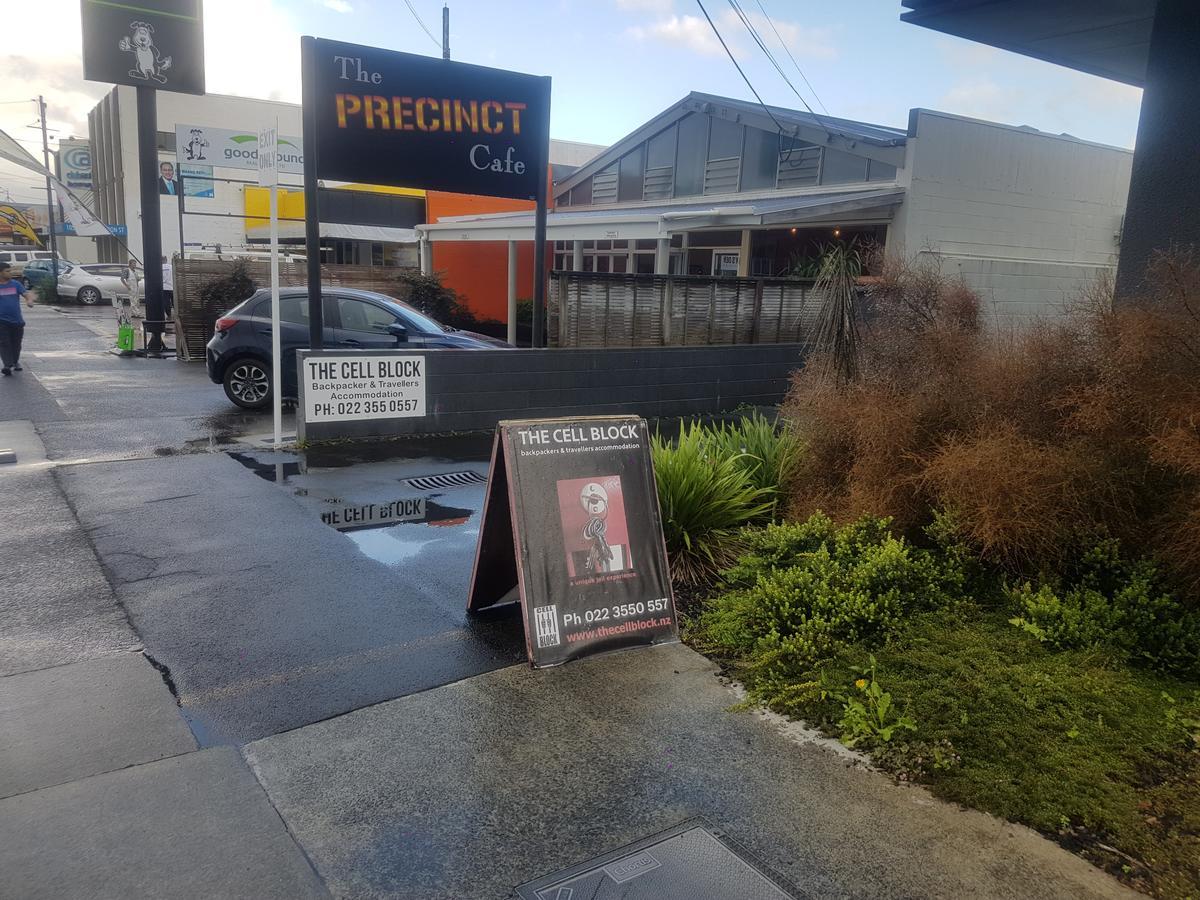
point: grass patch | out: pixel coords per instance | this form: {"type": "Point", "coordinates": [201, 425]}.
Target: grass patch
{"type": "Point", "coordinates": [1081, 720]}
{"type": "Point", "coordinates": [1099, 756]}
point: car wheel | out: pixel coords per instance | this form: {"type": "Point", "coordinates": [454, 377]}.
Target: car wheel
{"type": "Point", "coordinates": [247, 383]}
{"type": "Point", "coordinates": [89, 296]}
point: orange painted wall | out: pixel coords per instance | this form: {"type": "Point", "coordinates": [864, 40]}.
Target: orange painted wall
{"type": "Point", "coordinates": [478, 270]}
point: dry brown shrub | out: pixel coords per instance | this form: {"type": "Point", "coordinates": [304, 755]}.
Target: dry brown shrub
{"type": "Point", "coordinates": [1017, 501]}
{"type": "Point", "coordinates": [1038, 440]}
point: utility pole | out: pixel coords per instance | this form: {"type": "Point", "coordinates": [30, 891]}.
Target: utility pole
{"type": "Point", "coordinates": [49, 188]}
{"type": "Point", "coordinates": [446, 31]}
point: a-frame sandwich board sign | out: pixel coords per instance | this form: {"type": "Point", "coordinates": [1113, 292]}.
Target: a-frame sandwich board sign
{"type": "Point", "coordinates": [571, 520]}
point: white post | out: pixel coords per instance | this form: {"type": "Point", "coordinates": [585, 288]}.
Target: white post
{"type": "Point", "coordinates": [426, 252]}
{"type": "Point", "coordinates": [276, 353]}
{"type": "Point", "coordinates": [268, 175]}
{"type": "Point", "coordinates": [577, 256]}
{"type": "Point", "coordinates": [662, 256]}
{"type": "Point", "coordinates": [512, 292]}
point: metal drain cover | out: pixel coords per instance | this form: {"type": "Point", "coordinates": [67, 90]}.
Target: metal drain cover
{"type": "Point", "coordinates": [445, 480]}
{"type": "Point", "coordinates": [692, 861]}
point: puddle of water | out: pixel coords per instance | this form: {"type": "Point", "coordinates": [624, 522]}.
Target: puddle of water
{"type": "Point", "coordinates": [269, 466]}
{"type": "Point", "coordinates": [393, 510]}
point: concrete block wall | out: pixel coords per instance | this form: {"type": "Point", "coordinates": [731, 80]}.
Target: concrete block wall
{"type": "Point", "coordinates": [1028, 219]}
{"type": "Point", "coordinates": [473, 390]}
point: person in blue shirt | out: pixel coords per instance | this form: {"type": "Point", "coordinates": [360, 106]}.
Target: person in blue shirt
{"type": "Point", "coordinates": [12, 323]}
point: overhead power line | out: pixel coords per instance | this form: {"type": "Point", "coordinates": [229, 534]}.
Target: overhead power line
{"type": "Point", "coordinates": [771, 58]}
{"type": "Point", "coordinates": [412, 9]}
{"type": "Point", "coordinates": [732, 59]}
{"type": "Point", "coordinates": [783, 43]}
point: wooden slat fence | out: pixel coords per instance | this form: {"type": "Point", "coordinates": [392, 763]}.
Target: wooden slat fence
{"type": "Point", "coordinates": [590, 309]}
{"type": "Point", "coordinates": [194, 318]}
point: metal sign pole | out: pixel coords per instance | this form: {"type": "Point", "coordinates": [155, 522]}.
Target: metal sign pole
{"type": "Point", "coordinates": [268, 175]}
{"type": "Point", "coordinates": [539, 238]}
{"type": "Point", "coordinates": [276, 361]}
{"type": "Point", "coordinates": [147, 134]}
{"type": "Point", "coordinates": [312, 226]}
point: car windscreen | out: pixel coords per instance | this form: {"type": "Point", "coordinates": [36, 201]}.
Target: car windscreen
{"type": "Point", "coordinates": [415, 319]}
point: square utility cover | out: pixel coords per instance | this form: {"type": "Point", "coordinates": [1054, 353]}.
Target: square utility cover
{"type": "Point", "coordinates": [692, 861]}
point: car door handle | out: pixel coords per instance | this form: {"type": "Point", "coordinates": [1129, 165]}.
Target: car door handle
{"type": "Point", "coordinates": [351, 342]}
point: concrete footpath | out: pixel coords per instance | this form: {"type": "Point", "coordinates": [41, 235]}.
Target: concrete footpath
{"type": "Point", "coordinates": [208, 691]}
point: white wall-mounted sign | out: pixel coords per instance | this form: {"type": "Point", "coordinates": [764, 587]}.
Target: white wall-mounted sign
{"type": "Point", "coordinates": [226, 148]}
{"type": "Point", "coordinates": [344, 388]}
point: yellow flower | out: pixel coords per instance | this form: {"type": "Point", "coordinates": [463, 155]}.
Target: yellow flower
{"type": "Point", "coordinates": [861, 683]}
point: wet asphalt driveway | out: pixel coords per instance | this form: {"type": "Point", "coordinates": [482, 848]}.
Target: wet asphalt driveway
{"type": "Point", "coordinates": [273, 604]}
{"type": "Point", "coordinates": [271, 590]}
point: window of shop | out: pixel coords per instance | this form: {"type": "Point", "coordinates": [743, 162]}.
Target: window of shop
{"type": "Point", "coordinates": [760, 159]}
{"type": "Point", "coordinates": [842, 168]}
{"type": "Point", "coordinates": [690, 155]}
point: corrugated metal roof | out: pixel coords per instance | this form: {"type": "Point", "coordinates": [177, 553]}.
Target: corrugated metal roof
{"type": "Point", "coordinates": [864, 131]}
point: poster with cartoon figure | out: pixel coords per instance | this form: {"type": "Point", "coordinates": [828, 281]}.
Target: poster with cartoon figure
{"type": "Point", "coordinates": [595, 534]}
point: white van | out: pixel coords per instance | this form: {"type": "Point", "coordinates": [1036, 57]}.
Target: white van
{"type": "Point", "coordinates": [16, 256]}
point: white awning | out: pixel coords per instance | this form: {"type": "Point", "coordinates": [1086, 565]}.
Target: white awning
{"type": "Point", "coordinates": [646, 221]}
{"type": "Point", "coordinates": [374, 233]}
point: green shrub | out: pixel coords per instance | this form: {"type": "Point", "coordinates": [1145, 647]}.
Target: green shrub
{"type": "Point", "coordinates": [428, 294]}
{"type": "Point", "coordinates": [1116, 603]}
{"type": "Point", "coordinates": [803, 592]}
{"type": "Point", "coordinates": [705, 499]}
{"type": "Point", "coordinates": [766, 452]}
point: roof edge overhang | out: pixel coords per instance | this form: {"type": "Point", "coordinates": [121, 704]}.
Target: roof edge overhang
{"type": "Point", "coordinates": [873, 205]}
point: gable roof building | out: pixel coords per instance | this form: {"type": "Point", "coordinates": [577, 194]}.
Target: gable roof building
{"type": "Point", "coordinates": [717, 186]}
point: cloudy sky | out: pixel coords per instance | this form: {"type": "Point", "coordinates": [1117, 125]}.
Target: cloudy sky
{"type": "Point", "coordinates": [615, 63]}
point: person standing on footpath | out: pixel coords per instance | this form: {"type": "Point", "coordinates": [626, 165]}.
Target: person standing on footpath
{"type": "Point", "coordinates": [12, 323]}
{"type": "Point", "coordinates": [168, 287]}
{"type": "Point", "coordinates": [132, 279]}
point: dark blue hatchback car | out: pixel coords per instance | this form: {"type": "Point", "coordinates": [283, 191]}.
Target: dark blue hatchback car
{"type": "Point", "coordinates": [239, 354]}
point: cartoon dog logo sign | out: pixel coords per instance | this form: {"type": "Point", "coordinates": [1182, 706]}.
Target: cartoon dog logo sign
{"type": "Point", "coordinates": [194, 148]}
{"type": "Point", "coordinates": [148, 63]}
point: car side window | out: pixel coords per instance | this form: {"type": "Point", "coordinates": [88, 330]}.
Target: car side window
{"type": "Point", "coordinates": [359, 315]}
{"type": "Point", "coordinates": [5, 257]}
{"type": "Point", "coordinates": [291, 309]}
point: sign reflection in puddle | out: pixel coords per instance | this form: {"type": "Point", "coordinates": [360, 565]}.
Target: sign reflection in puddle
{"type": "Point", "coordinates": [345, 517]}
{"type": "Point", "coordinates": [391, 532]}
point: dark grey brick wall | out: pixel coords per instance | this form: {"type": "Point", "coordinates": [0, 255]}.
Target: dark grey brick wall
{"type": "Point", "coordinates": [470, 390]}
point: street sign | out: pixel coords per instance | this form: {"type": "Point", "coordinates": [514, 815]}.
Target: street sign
{"type": "Point", "coordinates": [571, 520]}
{"type": "Point", "coordinates": [268, 157]}
{"type": "Point", "coordinates": [232, 149]}
{"type": "Point", "coordinates": [384, 117]}
{"type": "Point", "coordinates": [157, 44]}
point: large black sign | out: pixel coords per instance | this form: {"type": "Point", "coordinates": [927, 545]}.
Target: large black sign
{"type": "Point", "coordinates": [574, 501]}
{"type": "Point", "coordinates": [396, 118]}
{"type": "Point", "coordinates": [145, 43]}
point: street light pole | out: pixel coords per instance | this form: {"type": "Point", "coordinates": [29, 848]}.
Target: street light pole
{"type": "Point", "coordinates": [49, 189]}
